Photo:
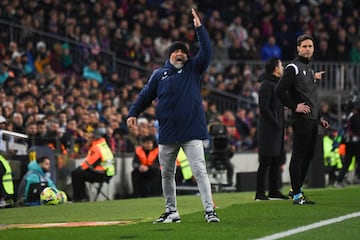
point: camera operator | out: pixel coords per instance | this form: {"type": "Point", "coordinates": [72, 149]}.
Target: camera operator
{"type": "Point", "coordinates": [351, 139]}
{"type": "Point", "coordinates": [221, 151]}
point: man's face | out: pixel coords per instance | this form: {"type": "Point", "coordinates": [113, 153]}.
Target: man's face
{"type": "Point", "coordinates": [32, 130]}
{"type": "Point", "coordinates": [306, 49]}
{"type": "Point", "coordinates": [45, 165]}
{"type": "Point", "coordinates": [148, 145]}
{"type": "Point", "coordinates": [178, 58]}
{"type": "Point", "coordinates": [279, 69]}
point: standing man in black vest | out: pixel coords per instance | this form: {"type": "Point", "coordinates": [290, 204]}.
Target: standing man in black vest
{"type": "Point", "coordinates": [297, 90]}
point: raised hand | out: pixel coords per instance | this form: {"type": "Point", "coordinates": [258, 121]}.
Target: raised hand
{"type": "Point", "coordinates": [197, 22]}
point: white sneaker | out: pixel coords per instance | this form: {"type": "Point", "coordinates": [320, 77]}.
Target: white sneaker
{"type": "Point", "coordinates": [169, 217]}
{"type": "Point", "coordinates": [211, 217]}
{"type": "Point", "coordinates": [339, 184]}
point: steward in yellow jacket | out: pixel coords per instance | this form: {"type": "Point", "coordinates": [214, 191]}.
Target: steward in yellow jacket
{"type": "Point", "coordinates": [6, 184]}
{"type": "Point", "coordinates": [98, 166]}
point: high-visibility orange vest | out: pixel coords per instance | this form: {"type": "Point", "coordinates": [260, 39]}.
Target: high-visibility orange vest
{"type": "Point", "coordinates": [149, 159]}
{"type": "Point", "coordinates": [342, 149]}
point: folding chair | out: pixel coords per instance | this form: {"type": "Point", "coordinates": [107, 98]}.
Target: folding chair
{"type": "Point", "coordinates": [97, 188]}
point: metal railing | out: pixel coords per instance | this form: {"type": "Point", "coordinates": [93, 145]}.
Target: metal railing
{"type": "Point", "coordinates": [79, 52]}
{"type": "Point", "coordinates": [339, 80]}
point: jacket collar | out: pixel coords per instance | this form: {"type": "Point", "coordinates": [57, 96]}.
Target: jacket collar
{"type": "Point", "coordinates": [269, 77]}
{"type": "Point", "coordinates": [97, 141]}
{"type": "Point", "coordinates": [303, 60]}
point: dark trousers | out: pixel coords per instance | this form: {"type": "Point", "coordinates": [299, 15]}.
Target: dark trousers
{"type": "Point", "coordinates": [146, 184]}
{"type": "Point", "coordinates": [352, 150]}
{"type": "Point", "coordinates": [305, 134]}
{"type": "Point", "coordinates": [271, 165]}
{"type": "Point", "coordinates": [79, 177]}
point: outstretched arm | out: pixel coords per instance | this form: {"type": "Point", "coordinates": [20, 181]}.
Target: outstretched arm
{"type": "Point", "coordinates": [203, 57]}
{"type": "Point", "coordinates": [197, 22]}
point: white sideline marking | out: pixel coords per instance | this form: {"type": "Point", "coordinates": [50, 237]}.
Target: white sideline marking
{"type": "Point", "coordinates": [309, 227]}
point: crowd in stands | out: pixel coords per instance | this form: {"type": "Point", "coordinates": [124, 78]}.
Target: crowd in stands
{"type": "Point", "coordinates": [44, 91]}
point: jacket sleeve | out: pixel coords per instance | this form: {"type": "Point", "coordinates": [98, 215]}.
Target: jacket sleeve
{"type": "Point", "coordinates": [283, 87]}
{"type": "Point", "coordinates": [51, 183]}
{"type": "Point", "coordinates": [136, 162]}
{"type": "Point", "coordinates": [265, 93]}
{"type": "Point", "coordinates": [91, 158]}
{"type": "Point", "coordinates": [146, 95]}
{"type": "Point", "coordinates": [203, 57]}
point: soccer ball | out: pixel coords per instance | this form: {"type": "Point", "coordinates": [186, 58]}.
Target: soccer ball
{"type": "Point", "coordinates": [49, 196]}
{"type": "Point", "coordinates": [62, 197]}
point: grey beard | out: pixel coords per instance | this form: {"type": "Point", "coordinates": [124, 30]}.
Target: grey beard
{"type": "Point", "coordinates": [178, 65]}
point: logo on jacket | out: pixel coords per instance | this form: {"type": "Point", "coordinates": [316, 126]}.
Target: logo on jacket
{"type": "Point", "coordinates": [180, 71]}
{"type": "Point", "coordinates": [165, 75]}
{"type": "Point", "coordinates": [304, 72]}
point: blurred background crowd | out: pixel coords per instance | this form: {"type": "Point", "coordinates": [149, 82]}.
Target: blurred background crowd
{"type": "Point", "coordinates": [47, 90]}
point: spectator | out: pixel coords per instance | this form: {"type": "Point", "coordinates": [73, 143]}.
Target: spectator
{"type": "Point", "coordinates": [91, 72]}
{"type": "Point", "coordinates": [42, 56]}
{"type": "Point", "coordinates": [355, 52]}
{"type": "Point", "coordinates": [270, 49]}
{"type": "Point", "coordinates": [285, 39]}
{"type": "Point", "coordinates": [16, 65]}
{"type": "Point", "coordinates": [236, 32]}
{"type": "Point", "coordinates": [3, 146]}
{"type": "Point", "coordinates": [67, 60]}
{"type": "Point", "coordinates": [323, 53]}
{"type": "Point", "coordinates": [27, 68]}
{"type": "Point", "coordinates": [251, 51]}
{"type": "Point", "coordinates": [235, 50]}
{"type": "Point", "coordinates": [4, 73]}
{"type": "Point", "coordinates": [18, 122]}
{"type": "Point", "coordinates": [241, 124]}
{"type": "Point", "coordinates": [56, 58]}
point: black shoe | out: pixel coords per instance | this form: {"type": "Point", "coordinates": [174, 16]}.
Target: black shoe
{"type": "Point", "coordinates": [277, 196]}
{"type": "Point", "coordinates": [261, 197]}
{"type": "Point", "coordinates": [291, 194]}
{"type": "Point", "coordinates": [303, 201]}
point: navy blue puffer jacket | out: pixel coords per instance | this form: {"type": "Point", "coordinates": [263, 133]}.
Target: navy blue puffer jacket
{"type": "Point", "coordinates": [177, 92]}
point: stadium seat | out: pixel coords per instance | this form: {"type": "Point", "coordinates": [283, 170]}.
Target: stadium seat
{"type": "Point", "coordinates": [97, 189]}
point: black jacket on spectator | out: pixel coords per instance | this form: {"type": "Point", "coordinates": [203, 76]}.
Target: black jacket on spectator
{"type": "Point", "coordinates": [271, 120]}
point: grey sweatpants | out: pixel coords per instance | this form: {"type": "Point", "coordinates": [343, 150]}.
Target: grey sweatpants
{"type": "Point", "coordinates": [194, 151]}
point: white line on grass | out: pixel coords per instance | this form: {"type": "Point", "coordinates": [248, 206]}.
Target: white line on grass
{"type": "Point", "coordinates": [309, 227]}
